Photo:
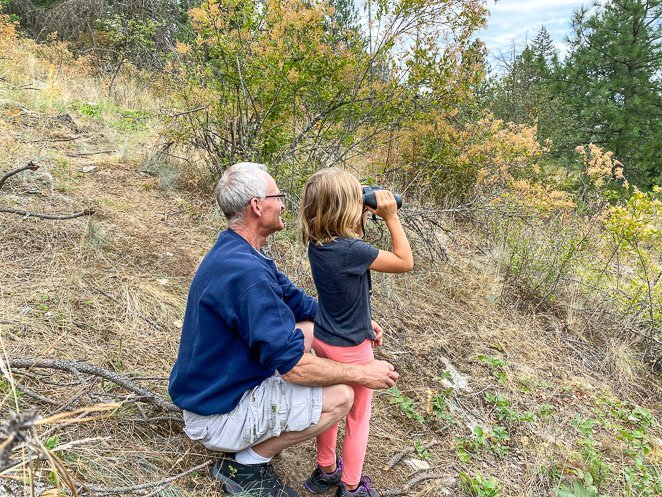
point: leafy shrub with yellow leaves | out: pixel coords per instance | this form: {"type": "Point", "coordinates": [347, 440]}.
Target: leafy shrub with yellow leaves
{"type": "Point", "coordinates": [595, 251]}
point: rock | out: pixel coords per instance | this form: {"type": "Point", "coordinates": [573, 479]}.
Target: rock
{"type": "Point", "coordinates": [417, 464]}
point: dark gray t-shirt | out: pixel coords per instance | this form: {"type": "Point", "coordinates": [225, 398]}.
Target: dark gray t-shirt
{"type": "Point", "coordinates": [340, 272]}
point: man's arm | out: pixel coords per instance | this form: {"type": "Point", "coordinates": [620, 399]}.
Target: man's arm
{"type": "Point", "coordinates": [303, 306]}
{"type": "Point", "coordinates": [316, 371]}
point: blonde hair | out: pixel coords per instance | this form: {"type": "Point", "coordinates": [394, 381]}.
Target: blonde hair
{"type": "Point", "coordinates": [331, 206]}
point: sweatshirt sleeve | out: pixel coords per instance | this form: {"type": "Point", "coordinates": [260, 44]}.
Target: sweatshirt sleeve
{"type": "Point", "coordinates": [303, 306]}
{"type": "Point", "coordinates": [266, 324]}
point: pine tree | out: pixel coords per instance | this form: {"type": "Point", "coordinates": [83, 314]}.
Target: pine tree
{"type": "Point", "coordinates": [612, 81]}
{"type": "Point", "coordinates": [527, 94]}
{"type": "Point", "coordinates": [544, 52]}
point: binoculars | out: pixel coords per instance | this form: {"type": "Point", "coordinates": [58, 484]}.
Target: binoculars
{"type": "Point", "coordinates": [370, 200]}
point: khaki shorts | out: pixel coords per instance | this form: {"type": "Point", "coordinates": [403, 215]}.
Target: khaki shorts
{"type": "Point", "coordinates": [273, 407]}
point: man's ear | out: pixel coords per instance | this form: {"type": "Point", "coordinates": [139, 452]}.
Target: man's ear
{"type": "Point", "coordinates": [255, 207]}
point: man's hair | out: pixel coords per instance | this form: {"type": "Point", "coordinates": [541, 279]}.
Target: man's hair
{"type": "Point", "coordinates": [238, 185]}
{"type": "Point", "coordinates": [331, 206]}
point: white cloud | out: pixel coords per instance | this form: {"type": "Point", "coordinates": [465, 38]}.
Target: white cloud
{"type": "Point", "coordinates": [518, 21]}
{"type": "Point", "coordinates": [535, 6]}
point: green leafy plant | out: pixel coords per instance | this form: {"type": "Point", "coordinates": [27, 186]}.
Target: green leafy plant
{"type": "Point", "coordinates": [479, 485]}
{"type": "Point", "coordinates": [642, 480]}
{"type": "Point", "coordinates": [504, 410]}
{"type": "Point", "coordinates": [52, 442]}
{"type": "Point", "coordinates": [421, 451]}
{"type": "Point", "coordinates": [583, 487]}
{"type": "Point", "coordinates": [545, 412]}
{"type": "Point", "coordinates": [585, 426]}
{"type": "Point", "coordinates": [599, 470]}
{"type": "Point", "coordinates": [445, 375]}
{"type": "Point", "coordinates": [88, 109]}
{"type": "Point", "coordinates": [496, 440]}
{"type": "Point", "coordinates": [407, 404]}
{"type": "Point", "coordinates": [499, 439]}
{"type": "Point", "coordinates": [439, 402]}
{"type": "Point", "coordinates": [498, 366]}
{"type": "Point", "coordinates": [466, 447]}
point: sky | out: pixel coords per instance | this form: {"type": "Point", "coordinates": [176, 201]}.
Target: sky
{"type": "Point", "coordinates": [520, 20]}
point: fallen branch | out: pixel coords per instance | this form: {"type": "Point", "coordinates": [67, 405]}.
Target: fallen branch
{"type": "Point", "coordinates": [35, 395]}
{"type": "Point", "coordinates": [78, 367]}
{"type": "Point", "coordinates": [398, 457]}
{"type": "Point", "coordinates": [40, 215]}
{"type": "Point", "coordinates": [68, 139]}
{"type": "Point", "coordinates": [86, 154]}
{"type": "Point", "coordinates": [421, 477]}
{"type": "Point", "coordinates": [135, 489]}
{"type": "Point", "coordinates": [186, 112]}
{"type": "Point", "coordinates": [31, 165]}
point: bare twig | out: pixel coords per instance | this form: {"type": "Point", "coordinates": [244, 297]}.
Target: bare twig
{"type": "Point", "coordinates": [40, 215]}
{"type": "Point", "coordinates": [51, 140]}
{"type": "Point", "coordinates": [86, 154]}
{"type": "Point", "coordinates": [31, 165]}
{"type": "Point", "coordinates": [197, 109]}
{"type": "Point", "coordinates": [148, 396]}
{"type": "Point", "coordinates": [418, 478]}
{"type": "Point", "coordinates": [35, 395]}
{"type": "Point", "coordinates": [136, 489]}
{"type": "Point", "coordinates": [398, 457]}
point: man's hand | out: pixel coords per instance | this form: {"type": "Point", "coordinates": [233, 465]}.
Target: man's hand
{"type": "Point", "coordinates": [379, 333]}
{"type": "Point", "coordinates": [379, 374]}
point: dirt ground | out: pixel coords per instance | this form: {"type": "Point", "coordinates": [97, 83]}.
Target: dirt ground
{"type": "Point", "coordinates": [110, 289]}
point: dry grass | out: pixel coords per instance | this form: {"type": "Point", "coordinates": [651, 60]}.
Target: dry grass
{"type": "Point", "coordinates": [110, 290]}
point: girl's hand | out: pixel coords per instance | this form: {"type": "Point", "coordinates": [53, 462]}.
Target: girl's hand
{"type": "Point", "coordinates": [386, 205]}
{"type": "Point", "coordinates": [379, 332]}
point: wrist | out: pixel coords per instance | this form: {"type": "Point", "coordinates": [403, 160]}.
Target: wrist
{"type": "Point", "coordinates": [355, 374]}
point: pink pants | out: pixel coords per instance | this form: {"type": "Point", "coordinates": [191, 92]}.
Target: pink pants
{"type": "Point", "coordinates": [357, 425]}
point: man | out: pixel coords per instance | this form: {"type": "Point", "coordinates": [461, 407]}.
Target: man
{"type": "Point", "coordinates": [243, 376]}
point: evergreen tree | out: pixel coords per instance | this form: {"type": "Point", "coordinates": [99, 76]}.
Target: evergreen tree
{"type": "Point", "coordinates": [612, 81]}
{"type": "Point", "coordinates": [528, 94]}
{"type": "Point", "coordinates": [544, 53]}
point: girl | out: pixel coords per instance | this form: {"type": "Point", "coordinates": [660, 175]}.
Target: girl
{"type": "Point", "coordinates": [332, 215]}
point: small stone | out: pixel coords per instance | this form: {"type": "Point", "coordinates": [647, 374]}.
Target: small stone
{"type": "Point", "coordinates": [88, 169]}
{"type": "Point", "coordinates": [417, 464]}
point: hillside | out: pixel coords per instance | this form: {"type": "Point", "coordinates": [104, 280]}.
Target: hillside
{"type": "Point", "coordinates": [491, 393]}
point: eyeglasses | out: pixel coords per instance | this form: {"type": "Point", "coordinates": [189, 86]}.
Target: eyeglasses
{"type": "Point", "coordinates": [281, 196]}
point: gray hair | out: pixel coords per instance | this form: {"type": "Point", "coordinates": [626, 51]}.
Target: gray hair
{"type": "Point", "coordinates": [238, 185]}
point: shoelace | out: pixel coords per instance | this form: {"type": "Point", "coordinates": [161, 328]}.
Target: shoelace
{"type": "Point", "coordinates": [338, 468]}
{"type": "Point", "coordinates": [367, 484]}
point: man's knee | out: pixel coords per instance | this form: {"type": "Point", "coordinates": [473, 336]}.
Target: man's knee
{"type": "Point", "coordinates": [337, 399]}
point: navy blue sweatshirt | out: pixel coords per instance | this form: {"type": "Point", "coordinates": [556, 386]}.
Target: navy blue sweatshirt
{"type": "Point", "coordinates": [238, 327]}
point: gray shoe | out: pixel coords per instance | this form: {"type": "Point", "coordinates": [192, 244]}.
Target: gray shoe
{"type": "Point", "coordinates": [363, 490]}
{"type": "Point", "coordinates": [254, 480]}
{"type": "Point", "coordinates": [319, 482]}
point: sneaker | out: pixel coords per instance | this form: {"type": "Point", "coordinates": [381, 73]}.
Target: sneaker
{"type": "Point", "coordinates": [320, 481]}
{"type": "Point", "coordinates": [363, 490]}
{"type": "Point", "coordinates": [254, 480]}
